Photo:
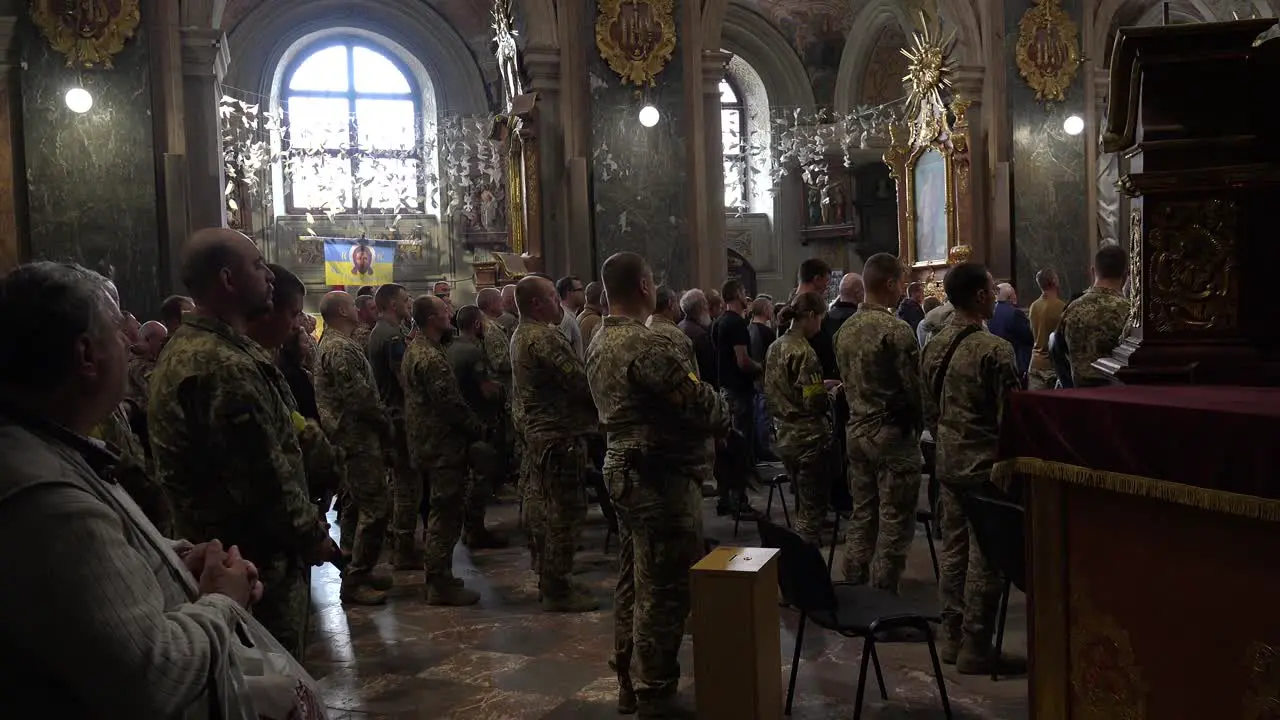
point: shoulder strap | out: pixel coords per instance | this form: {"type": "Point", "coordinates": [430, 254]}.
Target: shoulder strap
{"type": "Point", "coordinates": [946, 360]}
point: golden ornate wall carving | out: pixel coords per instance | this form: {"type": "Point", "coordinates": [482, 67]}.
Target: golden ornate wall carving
{"type": "Point", "coordinates": [1048, 49]}
{"type": "Point", "coordinates": [88, 32]}
{"type": "Point", "coordinates": [1191, 273]}
{"type": "Point", "coordinates": [636, 38]}
{"type": "Point", "coordinates": [1106, 681]}
{"type": "Point", "coordinates": [1262, 697]}
{"type": "Point", "coordinates": [1135, 267]}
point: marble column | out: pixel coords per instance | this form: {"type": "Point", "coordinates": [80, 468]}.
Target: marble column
{"type": "Point", "coordinates": [543, 67]}
{"type": "Point", "coordinates": [204, 61]}
{"type": "Point", "coordinates": [714, 262]}
{"type": "Point", "coordinates": [12, 181]}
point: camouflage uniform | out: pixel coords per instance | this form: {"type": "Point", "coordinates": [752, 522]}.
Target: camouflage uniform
{"type": "Point", "coordinates": [879, 361]}
{"type": "Point", "coordinates": [134, 472]}
{"type": "Point", "coordinates": [557, 413]}
{"type": "Point", "coordinates": [1094, 326]}
{"type": "Point", "coordinates": [589, 323]}
{"type": "Point", "coordinates": [386, 350]}
{"type": "Point", "coordinates": [224, 434]}
{"type": "Point", "coordinates": [664, 327]}
{"type": "Point", "coordinates": [965, 420]}
{"type": "Point", "coordinates": [440, 427]}
{"type": "Point", "coordinates": [497, 349]}
{"type": "Point", "coordinates": [361, 336]}
{"type": "Point", "coordinates": [471, 367]}
{"type": "Point", "coordinates": [140, 369]}
{"type": "Point", "coordinates": [352, 413]}
{"type": "Point", "coordinates": [508, 321]}
{"type": "Point", "coordinates": [798, 402]}
{"type": "Point", "coordinates": [659, 418]}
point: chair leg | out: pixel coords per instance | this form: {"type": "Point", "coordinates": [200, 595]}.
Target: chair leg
{"type": "Point", "coordinates": [937, 669]}
{"type": "Point", "coordinates": [835, 538]}
{"type": "Point", "coordinates": [785, 515]}
{"type": "Point", "coordinates": [1004, 615]}
{"type": "Point", "coordinates": [868, 647]}
{"type": "Point", "coordinates": [768, 506]}
{"type": "Point", "coordinates": [795, 664]}
{"type": "Point", "coordinates": [933, 552]}
{"type": "Point", "coordinates": [736, 519]}
{"type": "Point", "coordinates": [875, 662]}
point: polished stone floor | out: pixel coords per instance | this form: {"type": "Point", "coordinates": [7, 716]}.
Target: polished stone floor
{"type": "Point", "coordinates": [506, 660]}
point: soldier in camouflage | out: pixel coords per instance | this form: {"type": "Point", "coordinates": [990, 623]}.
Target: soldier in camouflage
{"type": "Point", "coordinates": [386, 349]}
{"type": "Point", "coordinates": [224, 433]}
{"type": "Point", "coordinates": [879, 361]}
{"type": "Point", "coordinates": [663, 321]}
{"type": "Point", "coordinates": [968, 376]}
{"type": "Point", "coordinates": [472, 367]}
{"type": "Point", "coordinates": [352, 414]}
{"type": "Point", "coordinates": [367, 315]}
{"type": "Point", "coordinates": [142, 362]}
{"type": "Point", "coordinates": [797, 400]}
{"type": "Point", "coordinates": [659, 418]}
{"type": "Point", "coordinates": [592, 312]}
{"type": "Point", "coordinates": [557, 413]}
{"type": "Point", "coordinates": [134, 472]}
{"type": "Point", "coordinates": [1094, 323]}
{"type": "Point", "coordinates": [441, 428]}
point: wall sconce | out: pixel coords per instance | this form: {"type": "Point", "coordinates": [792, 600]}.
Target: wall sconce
{"type": "Point", "coordinates": [79, 100]}
{"type": "Point", "coordinates": [649, 116]}
{"type": "Point", "coordinates": [1073, 125]}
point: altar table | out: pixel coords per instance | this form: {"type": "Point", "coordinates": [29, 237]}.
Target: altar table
{"type": "Point", "coordinates": [1153, 531]}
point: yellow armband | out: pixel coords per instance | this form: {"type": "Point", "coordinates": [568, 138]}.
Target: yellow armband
{"type": "Point", "coordinates": [299, 422]}
{"type": "Point", "coordinates": [693, 377]}
{"type": "Point", "coordinates": [814, 390]}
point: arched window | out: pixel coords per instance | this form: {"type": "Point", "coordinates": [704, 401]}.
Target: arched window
{"type": "Point", "coordinates": [353, 131]}
{"type": "Point", "coordinates": [733, 133]}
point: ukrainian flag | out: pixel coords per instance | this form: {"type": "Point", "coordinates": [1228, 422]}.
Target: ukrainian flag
{"type": "Point", "coordinates": [349, 261]}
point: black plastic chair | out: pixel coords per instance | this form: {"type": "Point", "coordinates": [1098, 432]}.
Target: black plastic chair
{"type": "Point", "coordinates": [924, 517]}
{"type": "Point", "coordinates": [775, 486]}
{"type": "Point", "coordinates": [1000, 528]}
{"type": "Point", "coordinates": [851, 610]}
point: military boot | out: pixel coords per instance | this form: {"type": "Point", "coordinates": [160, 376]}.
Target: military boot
{"type": "Point", "coordinates": [949, 640]}
{"type": "Point", "coordinates": [379, 581]}
{"type": "Point", "coordinates": [665, 707]}
{"type": "Point", "coordinates": [447, 592]}
{"type": "Point", "coordinates": [977, 657]}
{"type": "Point", "coordinates": [355, 592]}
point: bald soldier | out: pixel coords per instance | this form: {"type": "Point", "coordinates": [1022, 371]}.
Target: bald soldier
{"type": "Point", "coordinates": [440, 428]}
{"type": "Point", "coordinates": [352, 415]}
{"type": "Point", "coordinates": [558, 413]}
{"type": "Point", "coordinates": [879, 361]}
{"type": "Point", "coordinates": [510, 313]}
{"type": "Point", "coordinates": [592, 312]}
{"type": "Point", "coordinates": [497, 350]}
{"type": "Point", "coordinates": [366, 317]}
{"type": "Point", "coordinates": [659, 418]}
{"type": "Point", "coordinates": [224, 432]}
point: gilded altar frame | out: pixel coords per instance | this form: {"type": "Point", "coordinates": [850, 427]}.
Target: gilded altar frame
{"type": "Point", "coordinates": [946, 135]}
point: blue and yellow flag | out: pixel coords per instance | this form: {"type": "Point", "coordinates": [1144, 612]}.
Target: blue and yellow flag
{"type": "Point", "coordinates": [348, 261]}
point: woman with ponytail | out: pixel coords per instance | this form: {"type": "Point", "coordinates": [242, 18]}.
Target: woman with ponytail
{"type": "Point", "coordinates": [798, 401]}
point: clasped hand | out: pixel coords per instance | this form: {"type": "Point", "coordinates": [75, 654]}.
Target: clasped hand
{"type": "Point", "coordinates": [224, 571]}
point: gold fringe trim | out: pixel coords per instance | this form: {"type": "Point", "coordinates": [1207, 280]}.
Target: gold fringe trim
{"type": "Point", "coordinates": [1220, 501]}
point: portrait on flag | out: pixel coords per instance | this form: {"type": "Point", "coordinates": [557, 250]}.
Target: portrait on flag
{"type": "Point", "coordinates": [351, 261]}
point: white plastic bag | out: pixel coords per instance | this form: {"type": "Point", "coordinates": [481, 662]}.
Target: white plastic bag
{"type": "Point", "coordinates": [280, 688]}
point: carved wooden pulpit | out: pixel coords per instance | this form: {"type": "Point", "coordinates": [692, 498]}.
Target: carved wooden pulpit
{"type": "Point", "coordinates": [1191, 106]}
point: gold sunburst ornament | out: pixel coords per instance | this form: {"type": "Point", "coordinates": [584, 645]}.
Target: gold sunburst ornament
{"type": "Point", "coordinates": [929, 71]}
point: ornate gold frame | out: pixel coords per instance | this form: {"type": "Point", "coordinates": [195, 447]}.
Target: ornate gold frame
{"type": "Point", "coordinates": [1062, 40]}
{"type": "Point", "coordinates": [642, 70]}
{"type": "Point", "coordinates": [107, 32]}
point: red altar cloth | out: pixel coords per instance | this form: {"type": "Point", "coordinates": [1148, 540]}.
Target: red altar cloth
{"type": "Point", "coordinates": [1220, 437]}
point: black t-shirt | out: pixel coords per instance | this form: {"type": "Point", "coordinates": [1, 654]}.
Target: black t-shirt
{"type": "Point", "coordinates": [728, 332]}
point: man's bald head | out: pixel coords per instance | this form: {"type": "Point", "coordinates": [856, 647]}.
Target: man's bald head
{"type": "Point", "coordinates": [852, 290]}
{"type": "Point", "coordinates": [1006, 293]}
{"type": "Point", "coordinates": [151, 337]}
{"type": "Point", "coordinates": [629, 281]}
{"type": "Point", "coordinates": [490, 301]}
{"type": "Point", "coordinates": [537, 299]}
{"type": "Point", "coordinates": [509, 298]}
{"type": "Point", "coordinates": [337, 306]}
{"type": "Point", "coordinates": [595, 294]}
{"type": "Point", "coordinates": [225, 272]}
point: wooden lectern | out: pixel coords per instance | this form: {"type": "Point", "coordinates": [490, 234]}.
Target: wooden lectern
{"type": "Point", "coordinates": [737, 650]}
{"type": "Point", "coordinates": [1191, 106]}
